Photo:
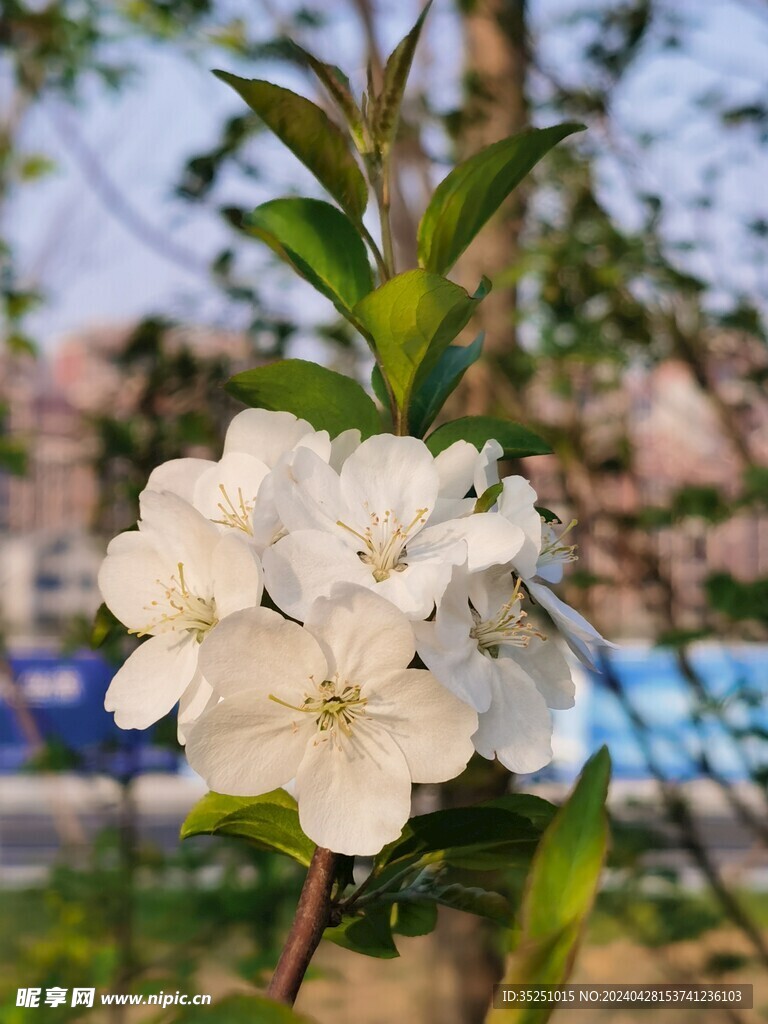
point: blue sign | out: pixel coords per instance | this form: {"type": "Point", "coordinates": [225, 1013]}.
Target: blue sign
{"type": "Point", "coordinates": [63, 699]}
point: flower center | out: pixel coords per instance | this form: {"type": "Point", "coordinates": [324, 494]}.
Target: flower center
{"type": "Point", "coordinates": [507, 626]}
{"type": "Point", "coordinates": [553, 550]}
{"type": "Point", "coordinates": [383, 541]}
{"type": "Point", "coordinates": [179, 608]}
{"type": "Point", "coordinates": [235, 513]}
{"type": "Point", "coordinates": [335, 704]}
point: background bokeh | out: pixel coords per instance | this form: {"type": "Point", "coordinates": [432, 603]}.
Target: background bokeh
{"type": "Point", "coordinates": [626, 325]}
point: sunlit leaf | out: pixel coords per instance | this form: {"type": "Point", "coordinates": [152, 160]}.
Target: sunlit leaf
{"type": "Point", "coordinates": [516, 440]}
{"type": "Point", "coordinates": [270, 822]}
{"type": "Point", "coordinates": [319, 242]}
{"type": "Point", "coordinates": [310, 135]}
{"type": "Point", "coordinates": [473, 191]}
{"type": "Point", "coordinates": [328, 400]}
{"type": "Point", "coordinates": [386, 109]}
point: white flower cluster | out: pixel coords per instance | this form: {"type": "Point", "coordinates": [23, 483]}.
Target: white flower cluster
{"type": "Point", "coordinates": [286, 591]}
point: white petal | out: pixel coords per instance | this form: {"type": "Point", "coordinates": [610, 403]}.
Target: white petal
{"type": "Point", "coordinates": [305, 565]}
{"type": "Point", "coordinates": [387, 473]}
{"type": "Point", "coordinates": [457, 665]}
{"type": "Point", "coordinates": [545, 664]}
{"type": "Point", "coordinates": [417, 589]}
{"type": "Point", "coordinates": [152, 680]}
{"type": "Point", "coordinates": [490, 538]}
{"type": "Point", "coordinates": [578, 633]}
{"type": "Point", "coordinates": [362, 634]}
{"type": "Point", "coordinates": [257, 649]}
{"type": "Point", "coordinates": [128, 579]}
{"type": "Point", "coordinates": [455, 467]}
{"type": "Point", "coordinates": [227, 490]}
{"type": "Point", "coordinates": [517, 728]}
{"type": "Point", "coordinates": [179, 476]}
{"type": "Point", "coordinates": [248, 745]}
{"type": "Point", "coordinates": [194, 701]}
{"type": "Point", "coordinates": [487, 467]}
{"type": "Point", "coordinates": [237, 576]}
{"type": "Point", "coordinates": [432, 727]}
{"type": "Point", "coordinates": [342, 447]}
{"type": "Point", "coordinates": [182, 535]}
{"type": "Point", "coordinates": [265, 435]}
{"type": "Point", "coordinates": [517, 504]}
{"type": "Point", "coordinates": [355, 795]}
{"type": "Point", "coordinates": [308, 493]}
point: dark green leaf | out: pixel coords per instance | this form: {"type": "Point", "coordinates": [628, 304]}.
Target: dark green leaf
{"type": "Point", "coordinates": [456, 833]}
{"type": "Point", "coordinates": [473, 191]}
{"type": "Point", "coordinates": [561, 888]}
{"type": "Point", "coordinates": [488, 498]}
{"type": "Point", "coordinates": [430, 397]}
{"type": "Point", "coordinates": [241, 1009]}
{"type": "Point", "coordinates": [386, 109]}
{"type": "Point", "coordinates": [473, 901]}
{"type": "Point", "coordinates": [13, 457]}
{"type": "Point", "coordinates": [414, 918]}
{"type": "Point", "coordinates": [370, 934]}
{"type": "Point", "coordinates": [270, 822]}
{"type": "Point", "coordinates": [320, 243]}
{"type": "Point", "coordinates": [412, 319]}
{"type": "Point", "coordinates": [538, 811]}
{"type": "Point", "coordinates": [379, 387]}
{"type": "Point", "coordinates": [547, 515]}
{"type": "Point", "coordinates": [328, 400]}
{"type": "Point", "coordinates": [516, 440]}
{"type": "Point", "coordinates": [310, 135]}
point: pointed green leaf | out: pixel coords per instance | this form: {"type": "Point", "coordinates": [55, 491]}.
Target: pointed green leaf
{"type": "Point", "coordinates": [473, 900]}
{"type": "Point", "coordinates": [456, 833]}
{"type": "Point", "coordinates": [328, 400]}
{"type": "Point", "coordinates": [270, 822]}
{"type": "Point", "coordinates": [339, 88]}
{"type": "Point", "coordinates": [310, 135]}
{"type": "Point", "coordinates": [473, 191]}
{"type": "Point", "coordinates": [321, 244]}
{"type": "Point", "coordinates": [488, 498]}
{"type": "Point", "coordinates": [412, 319]}
{"type": "Point", "coordinates": [370, 934]}
{"type": "Point", "coordinates": [378, 386]}
{"type": "Point", "coordinates": [561, 889]}
{"type": "Point", "coordinates": [386, 110]}
{"type": "Point", "coordinates": [441, 382]}
{"type": "Point", "coordinates": [516, 440]}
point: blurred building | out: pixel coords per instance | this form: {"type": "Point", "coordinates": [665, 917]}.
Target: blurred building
{"type": "Point", "coordinates": [49, 550]}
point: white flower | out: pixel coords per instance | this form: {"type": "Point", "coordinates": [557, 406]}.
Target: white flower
{"type": "Point", "coordinates": [372, 524]}
{"type": "Point", "coordinates": [482, 647]}
{"type": "Point", "coordinates": [579, 634]}
{"type": "Point", "coordinates": [173, 579]}
{"type": "Point", "coordinates": [226, 491]}
{"type": "Point", "coordinates": [333, 706]}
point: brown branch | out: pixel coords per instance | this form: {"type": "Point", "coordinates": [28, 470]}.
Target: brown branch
{"type": "Point", "coordinates": [312, 916]}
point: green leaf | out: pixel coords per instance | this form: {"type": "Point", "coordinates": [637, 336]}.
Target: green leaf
{"type": "Point", "coordinates": [548, 515]}
{"type": "Point", "coordinates": [328, 400]}
{"type": "Point", "coordinates": [270, 822]}
{"type": "Point", "coordinates": [473, 191]}
{"type": "Point", "coordinates": [451, 835]}
{"type": "Point", "coordinates": [241, 1009]}
{"type": "Point", "coordinates": [536, 809]}
{"type": "Point", "coordinates": [339, 88]}
{"type": "Point", "coordinates": [473, 900]}
{"type": "Point", "coordinates": [414, 918]}
{"type": "Point", "coordinates": [441, 382]}
{"type": "Point", "coordinates": [321, 244]}
{"type": "Point", "coordinates": [488, 498]}
{"type": "Point", "coordinates": [370, 934]}
{"type": "Point", "coordinates": [310, 135]}
{"type": "Point", "coordinates": [13, 457]}
{"type": "Point", "coordinates": [412, 319]}
{"type": "Point", "coordinates": [379, 387]}
{"type": "Point", "coordinates": [516, 440]}
{"type": "Point", "coordinates": [560, 889]}
{"type": "Point", "coordinates": [386, 109]}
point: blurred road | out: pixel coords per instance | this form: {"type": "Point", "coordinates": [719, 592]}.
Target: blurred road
{"type": "Point", "coordinates": [43, 815]}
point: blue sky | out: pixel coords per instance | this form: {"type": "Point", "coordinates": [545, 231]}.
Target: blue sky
{"type": "Point", "coordinates": [93, 269]}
